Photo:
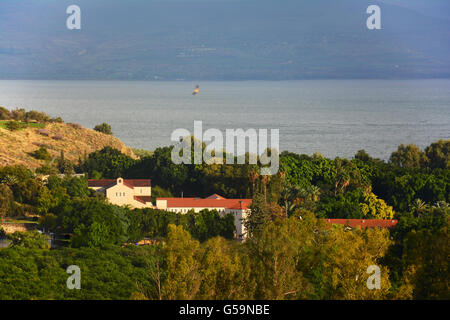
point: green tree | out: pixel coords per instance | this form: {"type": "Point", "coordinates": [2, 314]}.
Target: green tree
{"type": "Point", "coordinates": [30, 239]}
{"type": "Point", "coordinates": [376, 208]}
{"type": "Point", "coordinates": [42, 154]}
{"type": "Point", "coordinates": [225, 271]}
{"type": "Point", "coordinates": [2, 233]}
{"type": "Point", "coordinates": [363, 156]}
{"type": "Point", "coordinates": [182, 265]}
{"type": "Point", "coordinates": [14, 125]}
{"type": "Point", "coordinates": [49, 222]}
{"type": "Point", "coordinates": [94, 223]}
{"type": "Point", "coordinates": [5, 114]}
{"type": "Point", "coordinates": [274, 255]}
{"type": "Point", "coordinates": [418, 207]}
{"type": "Point", "coordinates": [261, 213]}
{"type": "Point", "coordinates": [426, 255]}
{"type": "Point", "coordinates": [18, 114]}
{"type": "Point", "coordinates": [409, 156]}
{"type": "Point", "coordinates": [6, 200]}
{"type": "Point", "coordinates": [438, 154]}
{"type": "Point", "coordinates": [109, 162]}
{"type": "Point", "coordinates": [103, 128]}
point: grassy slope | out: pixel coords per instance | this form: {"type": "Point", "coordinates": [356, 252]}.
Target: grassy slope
{"type": "Point", "coordinates": [16, 146]}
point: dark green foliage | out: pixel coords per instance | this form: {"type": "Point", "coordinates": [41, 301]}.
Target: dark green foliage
{"type": "Point", "coordinates": [6, 200]}
{"type": "Point", "coordinates": [399, 187]}
{"type": "Point", "coordinates": [362, 155]}
{"type": "Point", "coordinates": [299, 257]}
{"type": "Point", "coordinates": [110, 273]}
{"type": "Point", "coordinates": [36, 116]}
{"type": "Point", "coordinates": [109, 163]}
{"type": "Point", "coordinates": [420, 253]}
{"type": "Point", "coordinates": [2, 233]}
{"type": "Point", "coordinates": [93, 223]}
{"type": "Point", "coordinates": [262, 212]}
{"type": "Point", "coordinates": [103, 128]}
{"type": "Point", "coordinates": [42, 154]}
{"type": "Point", "coordinates": [23, 115]}
{"type": "Point", "coordinates": [14, 125]}
{"type": "Point", "coordinates": [5, 114]}
{"type": "Point", "coordinates": [344, 206]}
{"type": "Point", "coordinates": [203, 225]}
{"type": "Point", "coordinates": [438, 154]}
{"type": "Point", "coordinates": [409, 157]}
{"type": "Point", "coordinates": [29, 240]}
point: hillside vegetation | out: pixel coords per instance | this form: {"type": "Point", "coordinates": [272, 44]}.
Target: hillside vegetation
{"type": "Point", "coordinates": [17, 147]}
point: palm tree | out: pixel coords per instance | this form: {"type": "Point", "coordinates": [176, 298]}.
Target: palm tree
{"type": "Point", "coordinates": [441, 205]}
{"type": "Point", "coordinates": [253, 177]}
{"type": "Point", "coordinates": [313, 193]}
{"type": "Point", "coordinates": [285, 191]}
{"type": "Point", "coordinates": [342, 178]}
{"type": "Point", "coordinates": [419, 206]}
{"type": "Point", "coordinates": [288, 193]}
{"type": "Point", "coordinates": [9, 180]}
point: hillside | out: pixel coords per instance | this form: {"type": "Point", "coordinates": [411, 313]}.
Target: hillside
{"type": "Point", "coordinates": [16, 146]}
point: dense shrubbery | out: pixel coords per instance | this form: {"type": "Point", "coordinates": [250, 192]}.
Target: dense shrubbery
{"type": "Point", "coordinates": [103, 128]}
{"type": "Point", "coordinates": [333, 188]}
{"type": "Point", "coordinates": [289, 255]}
{"type": "Point", "coordinates": [14, 125]}
{"type": "Point", "coordinates": [288, 259]}
{"type": "Point", "coordinates": [41, 154]}
{"type": "Point", "coordinates": [25, 116]}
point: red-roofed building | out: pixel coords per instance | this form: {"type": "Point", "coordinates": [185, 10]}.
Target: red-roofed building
{"type": "Point", "coordinates": [239, 208]}
{"type": "Point", "coordinates": [133, 192]}
{"type": "Point", "coordinates": [363, 223]}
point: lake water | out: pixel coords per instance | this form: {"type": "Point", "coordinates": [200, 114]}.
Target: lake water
{"type": "Point", "coordinates": [333, 117]}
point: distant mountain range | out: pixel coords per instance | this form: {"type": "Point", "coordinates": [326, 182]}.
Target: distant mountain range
{"type": "Point", "coordinates": [224, 40]}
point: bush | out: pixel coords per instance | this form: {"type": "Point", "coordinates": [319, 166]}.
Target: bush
{"type": "Point", "coordinates": [2, 233]}
{"type": "Point", "coordinates": [5, 114]}
{"type": "Point", "coordinates": [103, 128]}
{"type": "Point", "coordinates": [57, 120]}
{"type": "Point", "coordinates": [47, 169]}
{"type": "Point", "coordinates": [18, 114]}
{"type": "Point", "coordinates": [31, 240]}
{"type": "Point", "coordinates": [41, 154]}
{"type": "Point", "coordinates": [36, 116]}
{"type": "Point", "coordinates": [14, 125]}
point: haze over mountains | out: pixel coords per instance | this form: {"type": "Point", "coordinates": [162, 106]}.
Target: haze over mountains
{"type": "Point", "coordinates": [224, 40]}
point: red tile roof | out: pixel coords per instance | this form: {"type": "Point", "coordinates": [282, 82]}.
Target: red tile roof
{"type": "Point", "coordinates": [214, 202]}
{"type": "Point", "coordinates": [139, 182]}
{"type": "Point", "coordinates": [143, 199]}
{"type": "Point", "coordinates": [101, 183]}
{"type": "Point", "coordinates": [215, 196]}
{"type": "Point", "coordinates": [131, 183]}
{"type": "Point", "coordinates": [364, 223]}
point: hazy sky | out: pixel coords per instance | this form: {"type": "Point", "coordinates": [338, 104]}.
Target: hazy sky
{"type": "Point", "coordinates": [224, 39]}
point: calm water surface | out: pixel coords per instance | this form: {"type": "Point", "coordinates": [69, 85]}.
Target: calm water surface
{"type": "Point", "coordinates": [335, 118]}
